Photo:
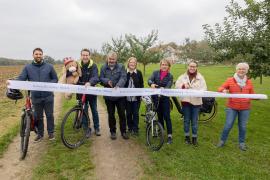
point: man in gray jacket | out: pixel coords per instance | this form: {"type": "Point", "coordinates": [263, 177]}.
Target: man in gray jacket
{"type": "Point", "coordinates": [40, 71]}
{"type": "Point", "coordinates": [113, 75]}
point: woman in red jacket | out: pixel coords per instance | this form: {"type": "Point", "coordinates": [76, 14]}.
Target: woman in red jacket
{"type": "Point", "coordinates": [238, 84]}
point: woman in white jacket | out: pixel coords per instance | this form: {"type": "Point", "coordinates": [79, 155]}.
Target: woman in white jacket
{"type": "Point", "coordinates": [191, 79]}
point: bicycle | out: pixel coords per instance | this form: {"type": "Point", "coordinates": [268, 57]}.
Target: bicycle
{"type": "Point", "coordinates": [154, 130]}
{"type": "Point", "coordinates": [207, 112]}
{"type": "Point", "coordinates": [73, 133]}
{"type": "Point", "coordinates": [28, 124]}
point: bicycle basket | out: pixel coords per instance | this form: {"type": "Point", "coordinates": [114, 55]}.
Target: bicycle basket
{"type": "Point", "coordinates": [208, 103]}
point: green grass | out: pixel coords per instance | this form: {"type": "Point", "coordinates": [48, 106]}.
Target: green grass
{"type": "Point", "coordinates": [180, 161]}
{"type": "Point", "coordinates": [59, 162]}
{"type": "Point", "coordinates": [7, 138]}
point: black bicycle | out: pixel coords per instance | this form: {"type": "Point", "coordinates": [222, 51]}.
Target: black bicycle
{"type": "Point", "coordinates": [28, 124]}
{"type": "Point", "coordinates": [73, 132]}
{"type": "Point", "coordinates": [207, 112]}
{"type": "Point", "coordinates": [154, 130]}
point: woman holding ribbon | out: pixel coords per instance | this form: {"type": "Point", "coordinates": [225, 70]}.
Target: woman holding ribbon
{"type": "Point", "coordinates": [191, 79]}
{"type": "Point", "coordinates": [238, 84]}
{"type": "Point", "coordinates": [162, 78]}
{"type": "Point", "coordinates": [134, 80]}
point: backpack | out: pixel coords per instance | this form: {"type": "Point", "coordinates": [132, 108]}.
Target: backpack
{"type": "Point", "coordinates": [208, 103]}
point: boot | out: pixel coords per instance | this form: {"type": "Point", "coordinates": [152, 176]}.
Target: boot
{"type": "Point", "coordinates": [194, 141]}
{"type": "Point", "coordinates": [187, 140]}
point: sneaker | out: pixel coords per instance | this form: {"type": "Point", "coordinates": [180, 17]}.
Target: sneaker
{"type": "Point", "coordinates": [169, 140]}
{"type": "Point", "coordinates": [242, 147]}
{"type": "Point", "coordinates": [194, 141]}
{"type": "Point", "coordinates": [113, 136]}
{"type": "Point", "coordinates": [97, 132]}
{"type": "Point", "coordinates": [51, 137]}
{"type": "Point", "coordinates": [220, 144]}
{"type": "Point", "coordinates": [125, 136]}
{"type": "Point", "coordinates": [187, 140]}
{"type": "Point", "coordinates": [38, 138]}
{"type": "Point", "coordinates": [88, 133]}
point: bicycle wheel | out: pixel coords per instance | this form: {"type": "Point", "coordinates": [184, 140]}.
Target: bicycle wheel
{"type": "Point", "coordinates": [73, 134]}
{"type": "Point", "coordinates": [155, 135]}
{"type": "Point", "coordinates": [25, 133]}
{"type": "Point", "coordinates": [205, 117]}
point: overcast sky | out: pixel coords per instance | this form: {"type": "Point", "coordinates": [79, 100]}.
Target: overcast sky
{"type": "Point", "coordinates": [63, 27]}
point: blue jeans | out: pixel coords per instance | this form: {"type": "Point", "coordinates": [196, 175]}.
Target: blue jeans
{"type": "Point", "coordinates": [92, 101]}
{"type": "Point", "coordinates": [191, 114]}
{"type": "Point", "coordinates": [132, 108]}
{"type": "Point", "coordinates": [163, 111]}
{"type": "Point", "coordinates": [47, 106]}
{"type": "Point", "coordinates": [231, 114]}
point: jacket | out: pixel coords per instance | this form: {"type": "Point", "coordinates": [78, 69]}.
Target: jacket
{"type": "Point", "coordinates": [166, 82]}
{"type": "Point", "coordinates": [42, 72]}
{"type": "Point", "coordinates": [198, 83]}
{"type": "Point", "coordinates": [237, 103]}
{"type": "Point", "coordinates": [117, 75]}
{"type": "Point", "coordinates": [137, 80]}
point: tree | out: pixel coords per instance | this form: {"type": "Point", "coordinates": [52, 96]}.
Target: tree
{"type": "Point", "coordinates": [49, 59]}
{"type": "Point", "coordinates": [119, 46]}
{"type": "Point", "coordinates": [245, 33]}
{"type": "Point", "coordinates": [142, 48]}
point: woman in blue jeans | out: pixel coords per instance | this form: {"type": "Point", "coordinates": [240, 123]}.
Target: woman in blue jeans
{"type": "Point", "coordinates": [191, 79]}
{"type": "Point", "coordinates": [163, 79]}
{"type": "Point", "coordinates": [238, 84]}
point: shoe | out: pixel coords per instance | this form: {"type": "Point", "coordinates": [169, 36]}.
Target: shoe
{"type": "Point", "coordinates": [51, 137]}
{"type": "Point", "coordinates": [194, 141]}
{"type": "Point", "coordinates": [97, 132]}
{"type": "Point", "coordinates": [169, 140]}
{"type": "Point", "coordinates": [88, 133]}
{"type": "Point", "coordinates": [242, 147]}
{"type": "Point", "coordinates": [136, 133]}
{"type": "Point", "coordinates": [220, 144]}
{"type": "Point", "coordinates": [38, 138]}
{"type": "Point", "coordinates": [113, 136]}
{"type": "Point", "coordinates": [125, 136]}
{"type": "Point", "coordinates": [187, 140]}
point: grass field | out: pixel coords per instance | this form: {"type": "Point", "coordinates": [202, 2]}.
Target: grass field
{"type": "Point", "coordinates": [182, 161]}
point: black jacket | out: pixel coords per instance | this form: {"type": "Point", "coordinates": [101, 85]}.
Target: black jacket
{"type": "Point", "coordinates": [155, 79]}
{"type": "Point", "coordinates": [137, 80]}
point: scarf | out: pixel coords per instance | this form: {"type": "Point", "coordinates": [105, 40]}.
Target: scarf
{"type": "Point", "coordinates": [191, 76]}
{"type": "Point", "coordinates": [240, 82]}
{"type": "Point", "coordinates": [163, 74]}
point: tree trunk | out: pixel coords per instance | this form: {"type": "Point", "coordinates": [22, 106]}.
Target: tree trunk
{"type": "Point", "coordinates": [144, 69]}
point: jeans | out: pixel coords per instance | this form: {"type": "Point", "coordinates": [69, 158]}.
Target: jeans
{"type": "Point", "coordinates": [120, 105]}
{"type": "Point", "coordinates": [92, 101]}
{"type": "Point", "coordinates": [163, 111]}
{"type": "Point", "coordinates": [132, 109]}
{"type": "Point", "coordinates": [46, 106]}
{"type": "Point", "coordinates": [191, 114]}
{"type": "Point", "coordinates": [231, 114]}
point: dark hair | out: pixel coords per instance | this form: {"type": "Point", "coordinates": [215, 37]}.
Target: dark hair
{"type": "Point", "coordinates": [85, 49]}
{"type": "Point", "coordinates": [37, 49]}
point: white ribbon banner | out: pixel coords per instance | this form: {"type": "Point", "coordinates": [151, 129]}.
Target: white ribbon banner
{"type": "Point", "coordinates": [68, 88]}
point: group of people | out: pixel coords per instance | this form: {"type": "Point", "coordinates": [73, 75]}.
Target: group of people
{"type": "Point", "coordinates": [115, 75]}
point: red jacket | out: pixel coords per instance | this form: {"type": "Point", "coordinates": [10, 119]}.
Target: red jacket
{"type": "Point", "coordinates": [234, 88]}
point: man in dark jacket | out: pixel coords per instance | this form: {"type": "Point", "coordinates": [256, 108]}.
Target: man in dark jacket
{"type": "Point", "coordinates": [113, 75]}
{"type": "Point", "coordinates": [89, 78]}
{"type": "Point", "coordinates": [40, 71]}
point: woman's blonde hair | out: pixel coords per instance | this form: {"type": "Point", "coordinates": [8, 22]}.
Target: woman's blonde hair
{"type": "Point", "coordinates": [167, 60]}
{"type": "Point", "coordinates": [129, 59]}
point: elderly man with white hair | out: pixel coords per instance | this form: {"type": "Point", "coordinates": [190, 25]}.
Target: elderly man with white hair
{"type": "Point", "coordinates": [238, 84]}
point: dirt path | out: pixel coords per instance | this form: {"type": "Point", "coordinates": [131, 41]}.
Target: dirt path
{"type": "Point", "coordinates": [118, 159]}
{"type": "Point", "coordinates": [10, 165]}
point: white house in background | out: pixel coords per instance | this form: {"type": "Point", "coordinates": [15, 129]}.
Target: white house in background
{"type": "Point", "coordinates": [173, 54]}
